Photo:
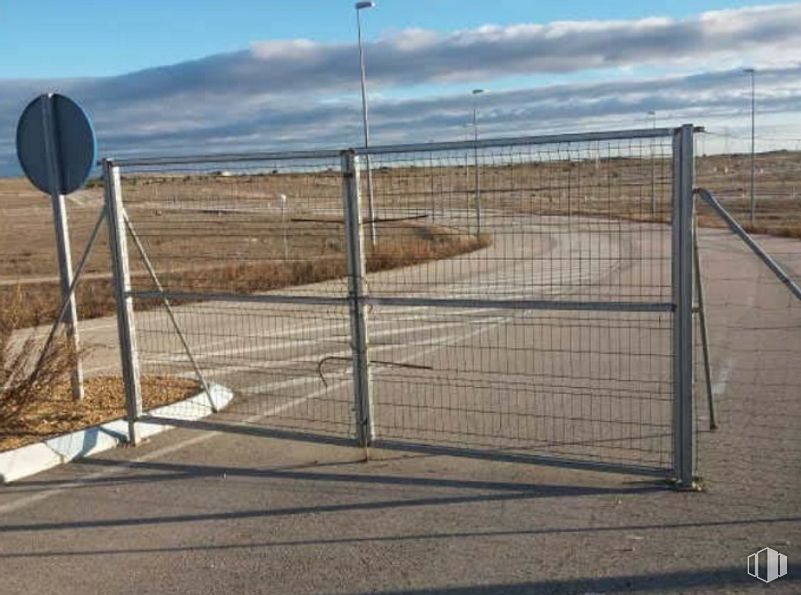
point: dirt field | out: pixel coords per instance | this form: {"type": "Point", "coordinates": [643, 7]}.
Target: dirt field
{"type": "Point", "coordinates": [195, 245]}
{"type": "Point", "coordinates": [231, 233]}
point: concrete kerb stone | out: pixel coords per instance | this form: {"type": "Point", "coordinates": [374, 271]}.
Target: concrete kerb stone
{"type": "Point", "coordinates": [34, 458]}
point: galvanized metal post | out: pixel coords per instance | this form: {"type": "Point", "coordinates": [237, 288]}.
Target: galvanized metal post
{"type": "Point", "coordinates": [476, 93]}
{"type": "Point", "coordinates": [122, 286]}
{"type": "Point", "coordinates": [354, 240]}
{"type": "Point", "coordinates": [753, 145]}
{"type": "Point", "coordinates": [653, 169]}
{"type": "Point", "coordinates": [682, 282]}
{"type": "Point", "coordinates": [62, 242]}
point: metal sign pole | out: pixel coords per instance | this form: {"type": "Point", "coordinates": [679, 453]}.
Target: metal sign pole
{"type": "Point", "coordinates": [62, 240]}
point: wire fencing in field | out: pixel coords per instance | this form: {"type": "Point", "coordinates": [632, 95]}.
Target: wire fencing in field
{"type": "Point", "coordinates": [774, 198]}
{"type": "Point", "coordinates": [479, 349]}
{"type": "Point", "coordinates": [214, 239]}
{"type": "Point", "coordinates": [528, 298]}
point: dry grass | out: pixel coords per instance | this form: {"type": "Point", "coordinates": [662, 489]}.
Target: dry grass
{"type": "Point", "coordinates": [408, 245]}
{"type": "Point", "coordinates": [432, 244]}
{"type": "Point", "coordinates": [35, 394]}
{"type": "Point", "coordinates": [53, 412]}
{"type": "Point", "coordinates": [25, 371]}
{"type": "Point", "coordinates": [218, 233]}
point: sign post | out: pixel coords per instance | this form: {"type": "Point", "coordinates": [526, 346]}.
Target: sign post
{"type": "Point", "coordinates": [56, 149]}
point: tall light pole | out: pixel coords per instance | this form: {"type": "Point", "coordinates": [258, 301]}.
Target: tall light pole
{"type": "Point", "coordinates": [359, 6]}
{"type": "Point", "coordinates": [476, 93]}
{"type": "Point", "coordinates": [652, 114]}
{"type": "Point", "coordinates": [752, 72]}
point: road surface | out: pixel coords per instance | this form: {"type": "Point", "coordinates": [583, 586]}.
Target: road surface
{"type": "Point", "coordinates": [241, 508]}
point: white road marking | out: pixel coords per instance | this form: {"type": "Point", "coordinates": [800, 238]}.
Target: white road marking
{"type": "Point", "coordinates": [268, 346]}
{"type": "Point", "coordinates": [167, 450]}
{"type": "Point", "coordinates": [546, 270]}
{"type": "Point", "coordinates": [719, 386]}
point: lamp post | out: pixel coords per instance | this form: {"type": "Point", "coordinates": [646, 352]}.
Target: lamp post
{"type": "Point", "coordinates": [752, 72]}
{"type": "Point", "coordinates": [652, 114]}
{"type": "Point", "coordinates": [476, 93]}
{"type": "Point", "coordinates": [359, 6]}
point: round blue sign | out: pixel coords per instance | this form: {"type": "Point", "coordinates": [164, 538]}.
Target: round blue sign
{"type": "Point", "coordinates": [56, 144]}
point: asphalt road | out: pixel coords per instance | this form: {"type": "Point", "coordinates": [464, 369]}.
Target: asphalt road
{"type": "Point", "coordinates": [238, 507]}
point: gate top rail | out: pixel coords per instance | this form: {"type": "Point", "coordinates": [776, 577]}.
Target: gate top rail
{"type": "Point", "coordinates": [546, 139]}
{"type": "Point", "coordinates": [639, 133]}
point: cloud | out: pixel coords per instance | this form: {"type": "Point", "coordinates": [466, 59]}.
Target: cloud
{"type": "Point", "coordinates": [566, 106]}
{"type": "Point", "coordinates": [419, 56]}
{"type": "Point", "coordinates": [289, 92]}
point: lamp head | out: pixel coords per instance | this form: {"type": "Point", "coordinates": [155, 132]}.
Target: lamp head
{"type": "Point", "coordinates": [366, 4]}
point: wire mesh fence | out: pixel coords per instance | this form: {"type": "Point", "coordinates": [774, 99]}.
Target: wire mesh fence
{"type": "Point", "coordinates": [215, 237]}
{"type": "Point", "coordinates": [470, 358]}
{"type": "Point", "coordinates": [516, 296]}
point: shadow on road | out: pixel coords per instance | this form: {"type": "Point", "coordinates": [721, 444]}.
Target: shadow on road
{"type": "Point", "coordinates": [162, 471]}
{"type": "Point", "coordinates": [453, 449]}
{"type": "Point", "coordinates": [659, 582]}
{"type": "Point", "coordinates": [498, 492]}
{"type": "Point", "coordinates": [415, 537]}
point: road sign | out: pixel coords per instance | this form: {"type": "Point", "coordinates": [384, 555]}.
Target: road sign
{"type": "Point", "coordinates": [56, 149]}
{"type": "Point", "coordinates": [56, 144]}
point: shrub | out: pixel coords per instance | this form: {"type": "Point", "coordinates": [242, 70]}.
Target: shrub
{"type": "Point", "coordinates": [25, 372]}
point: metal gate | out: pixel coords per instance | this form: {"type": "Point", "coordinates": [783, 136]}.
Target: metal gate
{"type": "Point", "coordinates": [527, 298]}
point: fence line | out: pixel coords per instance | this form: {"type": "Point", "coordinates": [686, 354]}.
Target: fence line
{"type": "Point", "coordinates": [548, 314]}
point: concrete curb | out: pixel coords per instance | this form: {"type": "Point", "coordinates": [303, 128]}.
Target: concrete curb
{"type": "Point", "coordinates": [35, 458]}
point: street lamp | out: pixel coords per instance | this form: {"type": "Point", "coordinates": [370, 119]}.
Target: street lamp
{"type": "Point", "coordinates": [476, 93]}
{"type": "Point", "coordinates": [359, 6]}
{"type": "Point", "coordinates": [752, 72]}
{"type": "Point", "coordinates": [652, 113]}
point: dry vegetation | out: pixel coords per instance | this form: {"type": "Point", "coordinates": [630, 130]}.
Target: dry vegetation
{"type": "Point", "coordinates": [53, 411]}
{"type": "Point", "coordinates": [35, 396]}
{"type": "Point", "coordinates": [197, 248]}
{"type": "Point", "coordinates": [196, 241]}
{"type": "Point", "coordinates": [226, 233]}
{"type": "Point", "coordinates": [25, 370]}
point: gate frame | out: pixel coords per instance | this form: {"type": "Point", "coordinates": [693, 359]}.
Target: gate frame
{"type": "Point", "coordinates": [682, 282]}
{"type": "Point", "coordinates": [682, 256]}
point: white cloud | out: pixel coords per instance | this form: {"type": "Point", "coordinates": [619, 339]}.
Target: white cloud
{"type": "Point", "coordinates": [286, 89]}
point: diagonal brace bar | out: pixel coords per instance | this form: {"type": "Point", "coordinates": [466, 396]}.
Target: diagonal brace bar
{"type": "Point", "coordinates": [152, 272]}
{"type": "Point", "coordinates": [699, 291]}
{"type": "Point", "coordinates": [777, 270]}
{"type": "Point", "coordinates": [66, 300]}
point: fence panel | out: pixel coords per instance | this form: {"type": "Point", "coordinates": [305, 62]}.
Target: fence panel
{"type": "Point", "coordinates": [548, 330]}
{"type": "Point", "coordinates": [251, 256]}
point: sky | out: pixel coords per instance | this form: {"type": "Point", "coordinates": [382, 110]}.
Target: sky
{"type": "Point", "coordinates": [167, 77]}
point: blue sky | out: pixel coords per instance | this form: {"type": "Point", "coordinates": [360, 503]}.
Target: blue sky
{"type": "Point", "coordinates": [169, 76]}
